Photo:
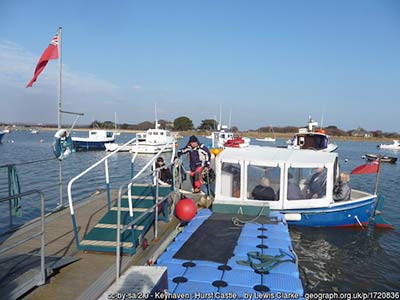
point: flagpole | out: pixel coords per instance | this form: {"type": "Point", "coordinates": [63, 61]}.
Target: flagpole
{"type": "Point", "coordinates": [60, 203]}
{"type": "Point", "coordinates": [59, 77]}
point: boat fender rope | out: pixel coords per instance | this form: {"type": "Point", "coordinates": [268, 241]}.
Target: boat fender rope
{"type": "Point", "coordinates": [266, 262]}
{"type": "Point", "coordinates": [238, 222]}
{"type": "Point", "coordinates": [62, 144]}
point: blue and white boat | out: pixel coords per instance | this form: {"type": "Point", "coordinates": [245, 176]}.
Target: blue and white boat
{"type": "Point", "coordinates": [2, 133]}
{"type": "Point", "coordinates": [95, 141]}
{"type": "Point", "coordinates": [239, 171]}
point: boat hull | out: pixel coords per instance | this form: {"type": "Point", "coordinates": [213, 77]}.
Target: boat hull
{"type": "Point", "coordinates": [346, 214]}
{"type": "Point", "coordinates": [113, 146]}
{"type": "Point", "coordinates": [383, 159]}
{"type": "Point", "coordinates": [1, 136]}
{"type": "Point", "coordinates": [89, 145]}
{"type": "Point", "coordinates": [146, 148]}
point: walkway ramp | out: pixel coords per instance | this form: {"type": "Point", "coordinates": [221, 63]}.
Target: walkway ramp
{"type": "Point", "coordinates": [102, 238]}
{"type": "Point", "coordinates": [20, 273]}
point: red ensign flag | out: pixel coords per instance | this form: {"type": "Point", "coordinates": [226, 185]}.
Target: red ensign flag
{"type": "Point", "coordinates": [368, 168]}
{"type": "Point", "coordinates": [51, 52]}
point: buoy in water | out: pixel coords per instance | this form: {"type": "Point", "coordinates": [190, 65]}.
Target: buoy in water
{"type": "Point", "coordinates": [185, 209]}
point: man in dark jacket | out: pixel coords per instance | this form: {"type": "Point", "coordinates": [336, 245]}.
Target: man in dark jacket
{"type": "Point", "coordinates": [199, 158]}
{"type": "Point", "coordinates": [263, 191]}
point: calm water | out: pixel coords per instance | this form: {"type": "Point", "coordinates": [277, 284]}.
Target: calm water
{"type": "Point", "coordinates": [329, 259]}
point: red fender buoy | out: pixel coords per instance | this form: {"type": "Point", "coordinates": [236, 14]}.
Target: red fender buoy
{"type": "Point", "coordinates": [186, 209]}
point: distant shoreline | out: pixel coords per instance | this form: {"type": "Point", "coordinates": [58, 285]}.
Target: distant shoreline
{"type": "Point", "coordinates": [241, 133]}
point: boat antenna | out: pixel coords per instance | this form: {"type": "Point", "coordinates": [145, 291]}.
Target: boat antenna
{"type": "Point", "coordinates": [230, 119]}
{"type": "Point", "coordinates": [155, 112]}
{"type": "Point", "coordinates": [220, 115]}
{"type": "Point", "coordinates": [322, 120]}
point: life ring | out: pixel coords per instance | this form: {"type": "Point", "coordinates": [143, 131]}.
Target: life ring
{"type": "Point", "coordinates": [62, 145]}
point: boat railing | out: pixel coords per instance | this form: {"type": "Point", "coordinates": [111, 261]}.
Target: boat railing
{"type": "Point", "coordinates": [127, 186]}
{"type": "Point", "coordinates": [104, 160]}
{"type": "Point", "coordinates": [13, 170]}
{"type": "Point", "coordinates": [42, 279]}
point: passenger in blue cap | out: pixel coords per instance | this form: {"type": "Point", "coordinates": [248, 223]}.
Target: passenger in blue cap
{"type": "Point", "coordinates": [199, 158]}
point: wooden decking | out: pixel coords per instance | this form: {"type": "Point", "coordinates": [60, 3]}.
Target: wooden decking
{"type": "Point", "coordinates": [73, 280]}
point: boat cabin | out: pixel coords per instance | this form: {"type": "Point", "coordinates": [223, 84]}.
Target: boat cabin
{"type": "Point", "coordinates": [310, 140]}
{"type": "Point", "coordinates": [100, 134]}
{"type": "Point", "coordinates": [219, 138]}
{"type": "Point", "coordinates": [158, 136]}
{"type": "Point", "coordinates": [284, 173]}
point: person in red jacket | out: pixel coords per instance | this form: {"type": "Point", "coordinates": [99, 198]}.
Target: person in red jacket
{"type": "Point", "coordinates": [199, 158]}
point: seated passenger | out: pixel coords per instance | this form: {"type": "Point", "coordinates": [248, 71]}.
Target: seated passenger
{"type": "Point", "coordinates": [342, 190]}
{"type": "Point", "coordinates": [317, 184]}
{"type": "Point", "coordinates": [293, 192]}
{"type": "Point", "coordinates": [263, 191]}
{"type": "Point", "coordinates": [164, 175]}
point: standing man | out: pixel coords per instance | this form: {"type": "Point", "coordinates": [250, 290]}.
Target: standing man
{"type": "Point", "coordinates": [199, 158]}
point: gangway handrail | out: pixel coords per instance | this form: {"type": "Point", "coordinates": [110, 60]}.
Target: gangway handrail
{"type": "Point", "coordinates": [40, 233]}
{"type": "Point", "coordinates": [155, 206]}
{"type": "Point", "coordinates": [71, 207]}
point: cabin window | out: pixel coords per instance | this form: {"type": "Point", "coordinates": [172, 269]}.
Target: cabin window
{"type": "Point", "coordinates": [155, 133]}
{"type": "Point", "coordinates": [93, 133]}
{"type": "Point", "coordinates": [230, 180]}
{"type": "Point", "coordinates": [150, 133]}
{"type": "Point", "coordinates": [109, 134]}
{"type": "Point", "coordinates": [161, 133]}
{"type": "Point", "coordinates": [306, 183]}
{"type": "Point", "coordinates": [263, 182]}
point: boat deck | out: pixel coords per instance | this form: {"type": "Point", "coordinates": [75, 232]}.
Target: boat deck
{"type": "Point", "coordinates": [77, 280]}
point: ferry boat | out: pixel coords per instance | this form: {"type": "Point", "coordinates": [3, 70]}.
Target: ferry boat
{"type": "Point", "coordinates": [308, 138]}
{"type": "Point", "coordinates": [95, 141]}
{"type": "Point", "coordinates": [240, 171]}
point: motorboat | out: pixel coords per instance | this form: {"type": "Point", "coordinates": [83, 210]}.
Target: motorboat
{"type": "Point", "coordinates": [95, 141]}
{"type": "Point", "coordinates": [394, 146]}
{"type": "Point", "coordinates": [224, 138]}
{"type": "Point", "coordinates": [308, 138]}
{"type": "Point", "coordinates": [237, 142]}
{"type": "Point", "coordinates": [289, 173]}
{"type": "Point", "coordinates": [382, 158]}
{"type": "Point", "coordinates": [153, 141]}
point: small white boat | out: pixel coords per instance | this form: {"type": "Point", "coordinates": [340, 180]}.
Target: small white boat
{"type": "Point", "coordinates": [96, 140]}
{"type": "Point", "coordinates": [266, 139]}
{"type": "Point", "coordinates": [308, 138]}
{"type": "Point", "coordinates": [394, 146]}
{"type": "Point", "coordinates": [269, 139]}
{"type": "Point", "coordinates": [34, 131]}
{"type": "Point", "coordinates": [140, 136]}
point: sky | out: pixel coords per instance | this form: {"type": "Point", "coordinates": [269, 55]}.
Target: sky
{"type": "Point", "coordinates": [264, 62]}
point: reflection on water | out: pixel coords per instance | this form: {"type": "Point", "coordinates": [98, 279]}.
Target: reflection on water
{"type": "Point", "coordinates": [329, 259]}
